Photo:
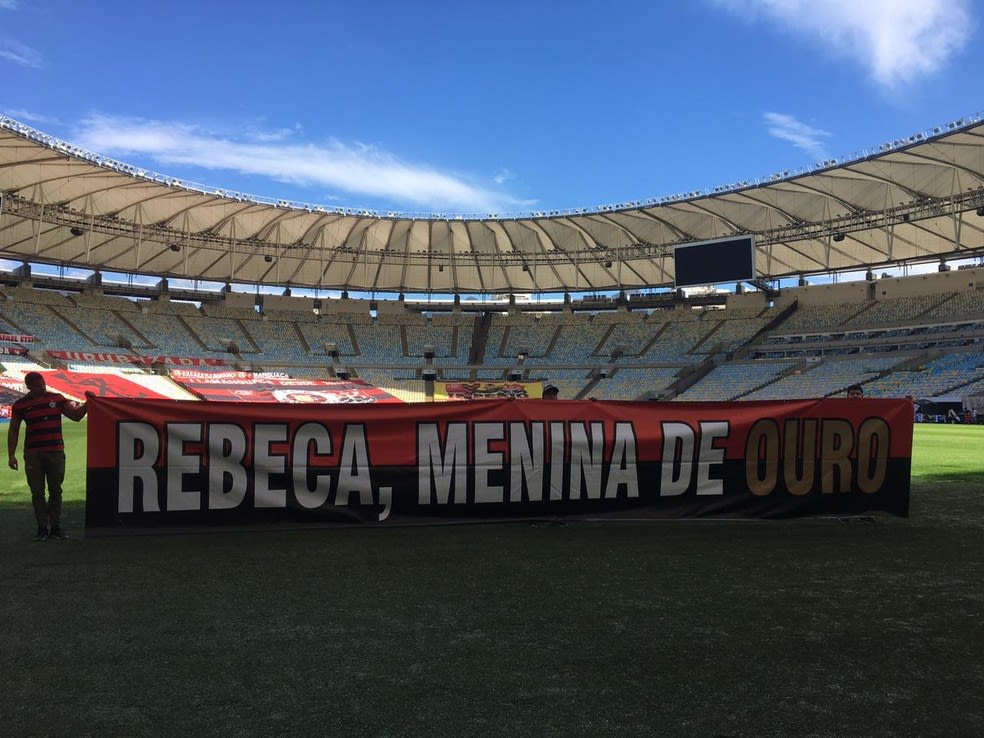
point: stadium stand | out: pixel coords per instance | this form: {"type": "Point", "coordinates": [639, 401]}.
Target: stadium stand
{"type": "Point", "coordinates": [732, 381]}
{"type": "Point", "coordinates": [918, 336]}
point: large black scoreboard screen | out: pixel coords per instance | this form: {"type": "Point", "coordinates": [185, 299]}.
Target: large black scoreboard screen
{"type": "Point", "coordinates": [714, 262]}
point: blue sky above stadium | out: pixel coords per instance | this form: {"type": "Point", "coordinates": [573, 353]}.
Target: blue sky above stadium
{"type": "Point", "coordinates": [486, 108]}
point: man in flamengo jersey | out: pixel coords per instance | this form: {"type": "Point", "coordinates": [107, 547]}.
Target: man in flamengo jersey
{"type": "Point", "coordinates": [44, 449]}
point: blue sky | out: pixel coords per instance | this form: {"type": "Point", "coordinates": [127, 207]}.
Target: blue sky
{"type": "Point", "coordinates": [505, 107]}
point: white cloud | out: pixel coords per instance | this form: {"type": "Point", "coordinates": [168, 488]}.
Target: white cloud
{"type": "Point", "coordinates": [8, 4]}
{"type": "Point", "coordinates": [28, 116]}
{"type": "Point", "coordinates": [799, 134]}
{"type": "Point", "coordinates": [19, 53]}
{"type": "Point", "coordinates": [503, 176]}
{"type": "Point", "coordinates": [897, 41]}
{"type": "Point", "coordinates": [353, 168]}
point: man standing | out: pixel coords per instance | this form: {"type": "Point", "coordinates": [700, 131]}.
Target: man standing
{"type": "Point", "coordinates": [44, 449]}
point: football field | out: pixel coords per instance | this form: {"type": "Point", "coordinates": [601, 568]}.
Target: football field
{"type": "Point", "coordinates": [773, 628]}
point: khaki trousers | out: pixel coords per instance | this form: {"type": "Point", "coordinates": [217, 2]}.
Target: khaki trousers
{"type": "Point", "coordinates": [45, 467]}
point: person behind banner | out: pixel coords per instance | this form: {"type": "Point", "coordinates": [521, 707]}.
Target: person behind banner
{"type": "Point", "coordinates": [550, 392]}
{"type": "Point", "coordinates": [855, 392]}
{"type": "Point", "coordinates": [44, 449]}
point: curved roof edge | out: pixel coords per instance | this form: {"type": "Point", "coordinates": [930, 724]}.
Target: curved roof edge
{"type": "Point", "coordinates": [913, 200]}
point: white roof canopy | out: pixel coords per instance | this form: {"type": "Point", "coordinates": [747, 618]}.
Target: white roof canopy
{"type": "Point", "coordinates": [916, 200]}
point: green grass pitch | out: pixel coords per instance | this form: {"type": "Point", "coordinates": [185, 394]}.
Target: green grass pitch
{"type": "Point", "coordinates": [779, 628]}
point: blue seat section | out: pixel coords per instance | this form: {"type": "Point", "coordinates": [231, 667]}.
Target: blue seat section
{"type": "Point", "coordinates": [824, 377]}
{"type": "Point", "coordinates": [731, 381]}
{"type": "Point", "coordinates": [924, 345]}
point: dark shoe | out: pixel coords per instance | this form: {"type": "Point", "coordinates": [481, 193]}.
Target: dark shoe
{"type": "Point", "coordinates": [58, 533]}
{"type": "Point", "coordinates": [40, 535]}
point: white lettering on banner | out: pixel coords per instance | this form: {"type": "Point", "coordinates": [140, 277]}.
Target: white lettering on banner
{"type": "Point", "coordinates": [622, 470]}
{"type": "Point", "coordinates": [226, 453]}
{"type": "Point", "coordinates": [203, 466]}
{"type": "Point", "coordinates": [215, 455]}
{"type": "Point", "coordinates": [180, 464]}
{"type": "Point", "coordinates": [710, 431]}
{"type": "Point", "coordinates": [353, 470]}
{"type": "Point", "coordinates": [679, 462]}
{"type": "Point", "coordinates": [586, 460]}
{"type": "Point", "coordinates": [137, 448]}
{"type": "Point", "coordinates": [678, 453]}
{"type": "Point", "coordinates": [438, 466]}
{"type": "Point", "coordinates": [487, 461]}
{"type": "Point", "coordinates": [443, 467]}
{"type": "Point", "coordinates": [558, 443]}
{"type": "Point", "coordinates": [266, 463]}
{"type": "Point", "coordinates": [526, 461]}
{"type": "Point", "coordinates": [308, 435]}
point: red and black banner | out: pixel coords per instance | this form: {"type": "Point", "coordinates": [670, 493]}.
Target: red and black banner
{"type": "Point", "coordinates": [259, 387]}
{"type": "Point", "coordinates": [11, 390]}
{"type": "Point", "coordinates": [111, 358]}
{"type": "Point", "coordinates": [186, 464]}
{"type": "Point", "coordinates": [103, 384]}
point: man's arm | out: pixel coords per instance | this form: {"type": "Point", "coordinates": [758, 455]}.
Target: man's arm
{"type": "Point", "coordinates": [74, 411]}
{"type": "Point", "coordinates": [13, 434]}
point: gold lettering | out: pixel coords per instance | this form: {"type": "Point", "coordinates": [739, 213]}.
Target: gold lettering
{"type": "Point", "coordinates": [873, 445]}
{"type": "Point", "coordinates": [762, 458]}
{"type": "Point", "coordinates": [799, 449]}
{"type": "Point", "coordinates": [837, 439]}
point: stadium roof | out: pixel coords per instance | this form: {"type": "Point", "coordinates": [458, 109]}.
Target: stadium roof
{"type": "Point", "coordinates": [913, 200]}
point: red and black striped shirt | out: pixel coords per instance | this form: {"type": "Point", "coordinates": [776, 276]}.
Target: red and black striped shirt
{"type": "Point", "coordinates": [43, 418]}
